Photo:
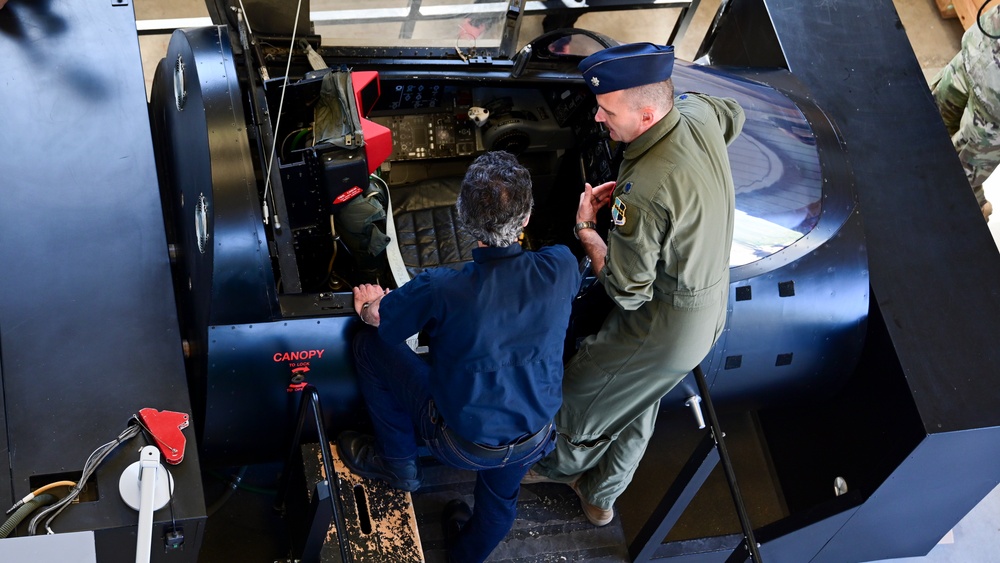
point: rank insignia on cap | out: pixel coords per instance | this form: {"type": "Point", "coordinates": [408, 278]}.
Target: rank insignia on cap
{"type": "Point", "coordinates": [627, 66]}
{"type": "Point", "coordinates": [618, 212]}
{"type": "Point", "coordinates": [628, 187]}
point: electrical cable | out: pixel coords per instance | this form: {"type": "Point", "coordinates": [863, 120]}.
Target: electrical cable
{"type": "Point", "coordinates": [39, 491]}
{"type": "Point", "coordinates": [979, 21]}
{"type": "Point", "coordinates": [281, 105]}
{"type": "Point", "coordinates": [285, 151]}
{"type": "Point", "coordinates": [44, 488]}
{"type": "Point", "coordinates": [302, 133]}
{"type": "Point", "coordinates": [234, 484]}
{"type": "Point", "coordinates": [378, 179]}
{"type": "Point", "coordinates": [23, 511]}
{"type": "Point", "coordinates": [173, 520]}
{"type": "Point", "coordinates": [174, 538]}
{"type": "Point", "coordinates": [333, 281]}
{"type": "Point", "coordinates": [89, 468]}
{"type": "Point", "coordinates": [244, 486]}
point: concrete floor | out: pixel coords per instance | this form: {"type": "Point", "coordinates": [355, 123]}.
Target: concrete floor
{"type": "Point", "coordinates": [935, 40]}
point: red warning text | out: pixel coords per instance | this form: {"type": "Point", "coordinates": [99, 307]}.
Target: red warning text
{"type": "Point", "coordinates": [297, 356]}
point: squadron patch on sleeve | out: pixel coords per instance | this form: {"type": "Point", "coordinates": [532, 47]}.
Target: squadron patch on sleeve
{"type": "Point", "coordinates": [618, 212]}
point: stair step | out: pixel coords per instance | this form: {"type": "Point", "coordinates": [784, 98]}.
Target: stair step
{"type": "Point", "coordinates": [379, 521]}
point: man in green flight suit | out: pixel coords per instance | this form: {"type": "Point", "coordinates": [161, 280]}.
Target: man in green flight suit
{"type": "Point", "coordinates": [665, 265]}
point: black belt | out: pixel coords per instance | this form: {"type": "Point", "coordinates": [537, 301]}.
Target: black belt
{"type": "Point", "coordinates": [505, 452]}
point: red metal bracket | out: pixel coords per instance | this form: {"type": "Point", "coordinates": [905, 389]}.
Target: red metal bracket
{"type": "Point", "coordinates": [166, 426]}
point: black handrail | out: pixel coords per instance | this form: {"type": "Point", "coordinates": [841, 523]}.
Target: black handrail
{"type": "Point", "coordinates": [310, 398]}
{"type": "Point", "coordinates": [727, 467]}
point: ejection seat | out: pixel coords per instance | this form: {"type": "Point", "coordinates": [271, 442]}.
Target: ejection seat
{"type": "Point", "coordinates": [428, 233]}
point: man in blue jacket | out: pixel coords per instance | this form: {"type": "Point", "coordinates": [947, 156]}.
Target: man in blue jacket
{"type": "Point", "coordinates": [484, 397]}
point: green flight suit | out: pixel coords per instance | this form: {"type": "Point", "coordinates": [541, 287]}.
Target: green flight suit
{"type": "Point", "coordinates": [667, 269]}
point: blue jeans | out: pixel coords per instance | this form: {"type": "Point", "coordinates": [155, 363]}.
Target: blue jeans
{"type": "Point", "coordinates": [394, 382]}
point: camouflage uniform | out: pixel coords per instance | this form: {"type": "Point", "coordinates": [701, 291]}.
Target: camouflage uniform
{"type": "Point", "coordinates": [667, 269]}
{"type": "Point", "coordinates": [967, 92]}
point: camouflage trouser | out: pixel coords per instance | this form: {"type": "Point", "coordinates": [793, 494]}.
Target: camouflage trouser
{"type": "Point", "coordinates": [974, 132]}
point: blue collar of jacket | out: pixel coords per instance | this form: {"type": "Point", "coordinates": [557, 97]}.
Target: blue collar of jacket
{"type": "Point", "coordinates": [488, 253]}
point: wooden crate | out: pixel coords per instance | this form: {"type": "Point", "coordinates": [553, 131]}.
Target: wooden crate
{"type": "Point", "coordinates": [966, 10]}
{"type": "Point", "coordinates": [946, 8]}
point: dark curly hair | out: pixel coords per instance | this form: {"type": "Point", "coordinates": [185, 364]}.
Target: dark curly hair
{"type": "Point", "coordinates": [495, 198]}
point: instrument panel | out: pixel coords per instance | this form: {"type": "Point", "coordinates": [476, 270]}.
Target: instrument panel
{"type": "Point", "coordinates": [432, 120]}
{"type": "Point", "coordinates": [430, 135]}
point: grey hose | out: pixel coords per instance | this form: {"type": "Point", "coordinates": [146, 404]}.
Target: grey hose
{"type": "Point", "coordinates": [22, 512]}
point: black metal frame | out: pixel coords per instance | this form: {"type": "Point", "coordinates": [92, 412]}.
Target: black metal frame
{"type": "Point", "coordinates": [323, 505]}
{"type": "Point", "coordinates": [708, 453]}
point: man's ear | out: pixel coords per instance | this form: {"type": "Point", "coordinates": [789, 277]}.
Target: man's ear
{"type": "Point", "coordinates": [526, 219]}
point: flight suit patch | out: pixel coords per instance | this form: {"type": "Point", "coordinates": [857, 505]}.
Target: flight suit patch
{"type": "Point", "coordinates": [618, 212]}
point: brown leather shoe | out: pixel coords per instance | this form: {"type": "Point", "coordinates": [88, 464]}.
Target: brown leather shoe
{"type": "Point", "coordinates": [595, 515]}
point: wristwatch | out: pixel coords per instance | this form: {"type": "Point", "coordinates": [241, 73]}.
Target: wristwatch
{"type": "Point", "coordinates": [581, 226]}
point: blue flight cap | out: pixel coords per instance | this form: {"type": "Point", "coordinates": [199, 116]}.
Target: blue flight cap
{"type": "Point", "coordinates": [627, 66]}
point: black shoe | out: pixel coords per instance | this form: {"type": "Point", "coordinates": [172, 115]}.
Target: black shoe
{"type": "Point", "coordinates": [358, 453]}
{"type": "Point", "coordinates": [456, 513]}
